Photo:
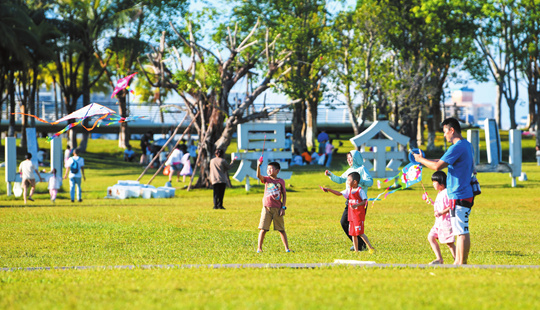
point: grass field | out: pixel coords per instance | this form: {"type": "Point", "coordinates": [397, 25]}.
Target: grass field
{"type": "Point", "coordinates": [186, 230]}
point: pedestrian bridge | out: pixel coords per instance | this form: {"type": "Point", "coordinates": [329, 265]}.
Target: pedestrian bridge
{"type": "Point", "coordinates": [332, 119]}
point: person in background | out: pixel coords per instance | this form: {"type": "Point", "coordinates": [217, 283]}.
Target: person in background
{"type": "Point", "coordinates": [145, 147]}
{"type": "Point", "coordinates": [186, 162]}
{"type": "Point", "coordinates": [288, 142]}
{"type": "Point", "coordinates": [129, 154]}
{"type": "Point", "coordinates": [306, 157]}
{"type": "Point", "coordinates": [67, 154]}
{"type": "Point", "coordinates": [315, 157]}
{"type": "Point", "coordinates": [75, 168]}
{"type": "Point", "coordinates": [54, 184]}
{"type": "Point", "coordinates": [329, 152]}
{"type": "Point", "coordinates": [175, 163]}
{"type": "Point", "coordinates": [538, 155]}
{"type": "Point", "coordinates": [219, 177]}
{"type": "Point", "coordinates": [27, 169]}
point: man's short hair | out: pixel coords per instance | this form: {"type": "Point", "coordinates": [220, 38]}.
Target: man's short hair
{"type": "Point", "coordinates": [219, 153]}
{"type": "Point", "coordinates": [452, 123]}
{"type": "Point", "coordinates": [355, 176]}
{"type": "Point", "coordinates": [28, 156]}
{"type": "Point", "coordinates": [276, 165]}
{"type": "Point", "coordinates": [439, 177]}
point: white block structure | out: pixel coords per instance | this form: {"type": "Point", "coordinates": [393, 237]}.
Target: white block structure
{"type": "Point", "coordinates": [515, 159]}
{"type": "Point", "coordinates": [251, 139]}
{"type": "Point", "coordinates": [381, 162]}
{"type": "Point", "coordinates": [494, 151]}
{"type": "Point", "coordinates": [12, 173]}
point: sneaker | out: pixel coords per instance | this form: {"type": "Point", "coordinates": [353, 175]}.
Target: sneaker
{"type": "Point", "coordinates": [288, 251]}
{"type": "Point", "coordinates": [72, 200]}
{"type": "Point", "coordinates": [435, 262]}
{"type": "Point", "coordinates": [30, 198]}
{"type": "Point", "coordinates": [371, 251]}
{"type": "Point", "coordinates": [80, 200]}
{"type": "Point", "coordinates": [352, 248]}
{"type": "Point", "coordinates": [222, 208]}
{"type": "Point", "coordinates": [259, 251]}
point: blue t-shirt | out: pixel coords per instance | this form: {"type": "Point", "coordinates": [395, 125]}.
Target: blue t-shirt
{"type": "Point", "coordinates": [460, 167]}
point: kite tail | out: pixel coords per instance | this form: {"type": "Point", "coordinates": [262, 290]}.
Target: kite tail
{"type": "Point", "coordinates": [39, 119]}
{"type": "Point", "coordinates": [95, 123]}
{"type": "Point", "coordinates": [68, 127]}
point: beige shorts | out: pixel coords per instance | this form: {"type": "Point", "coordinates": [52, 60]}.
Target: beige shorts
{"type": "Point", "coordinates": [28, 183]}
{"type": "Point", "coordinates": [271, 214]}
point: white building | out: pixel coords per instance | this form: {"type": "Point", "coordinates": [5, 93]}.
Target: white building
{"type": "Point", "coordinates": [463, 107]}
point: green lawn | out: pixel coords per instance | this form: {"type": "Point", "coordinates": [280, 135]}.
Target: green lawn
{"type": "Point", "coordinates": [186, 230]}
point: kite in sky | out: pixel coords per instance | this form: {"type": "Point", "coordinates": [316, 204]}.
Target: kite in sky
{"type": "Point", "coordinates": [106, 117]}
{"type": "Point", "coordinates": [123, 83]}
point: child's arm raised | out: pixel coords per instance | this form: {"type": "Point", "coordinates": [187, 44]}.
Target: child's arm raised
{"type": "Point", "coordinates": [261, 178]}
{"type": "Point", "coordinates": [326, 190]}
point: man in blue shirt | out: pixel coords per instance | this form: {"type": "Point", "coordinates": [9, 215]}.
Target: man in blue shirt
{"type": "Point", "coordinates": [459, 160]}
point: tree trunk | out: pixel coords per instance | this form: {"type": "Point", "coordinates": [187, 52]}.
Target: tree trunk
{"type": "Point", "coordinates": [311, 120]}
{"type": "Point", "coordinates": [207, 146]}
{"type": "Point", "coordinates": [512, 112]}
{"type": "Point", "coordinates": [350, 109]}
{"type": "Point", "coordinates": [420, 129]}
{"type": "Point", "coordinates": [498, 101]}
{"type": "Point", "coordinates": [298, 127]}
{"type": "Point", "coordinates": [11, 91]}
{"type": "Point", "coordinates": [123, 136]}
{"type": "Point", "coordinates": [86, 100]}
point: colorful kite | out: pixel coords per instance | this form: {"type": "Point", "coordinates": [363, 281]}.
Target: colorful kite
{"type": "Point", "coordinates": [123, 83]}
{"type": "Point", "coordinates": [408, 176]}
{"type": "Point", "coordinates": [106, 116]}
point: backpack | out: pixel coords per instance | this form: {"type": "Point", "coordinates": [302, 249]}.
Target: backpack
{"type": "Point", "coordinates": [74, 168]}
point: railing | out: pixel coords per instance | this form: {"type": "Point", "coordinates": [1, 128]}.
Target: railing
{"type": "Point", "coordinates": [172, 115]}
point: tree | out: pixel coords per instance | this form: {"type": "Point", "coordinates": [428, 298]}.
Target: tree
{"type": "Point", "coordinates": [16, 28]}
{"type": "Point", "coordinates": [83, 24]}
{"type": "Point", "coordinates": [205, 84]}
{"type": "Point", "coordinates": [356, 60]}
{"type": "Point", "coordinates": [530, 65]}
{"type": "Point", "coordinates": [126, 45]}
{"type": "Point", "coordinates": [499, 40]}
{"type": "Point", "coordinates": [301, 23]}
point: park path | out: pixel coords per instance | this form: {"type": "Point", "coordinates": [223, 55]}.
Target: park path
{"type": "Point", "coordinates": [363, 264]}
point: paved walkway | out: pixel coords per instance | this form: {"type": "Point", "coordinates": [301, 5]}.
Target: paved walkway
{"type": "Point", "coordinates": [363, 264]}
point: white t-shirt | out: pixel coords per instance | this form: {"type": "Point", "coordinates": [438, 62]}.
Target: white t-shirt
{"type": "Point", "coordinates": [175, 158]}
{"type": "Point", "coordinates": [80, 161]}
{"type": "Point", "coordinates": [26, 168]}
{"type": "Point", "coordinates": [54, 182]}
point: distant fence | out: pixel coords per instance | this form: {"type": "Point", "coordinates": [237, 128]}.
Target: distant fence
{"type": "Point", "coordinates": [172, 113]}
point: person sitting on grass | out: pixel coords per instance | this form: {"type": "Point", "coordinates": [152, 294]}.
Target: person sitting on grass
{"type": "Point", "coordinates": [129, 154]}
{"type": "Point", "coordinates": [357, 209]}
{"type": "Point", "coordinates": [273, 200]}
{"type": "Point", "coordinates": [442, 229]}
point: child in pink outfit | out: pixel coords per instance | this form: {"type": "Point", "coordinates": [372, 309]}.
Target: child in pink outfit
{"type": "Point", "coordinates": [54, 184]}
{"type": "Point", "coordinates": [442, 229]}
